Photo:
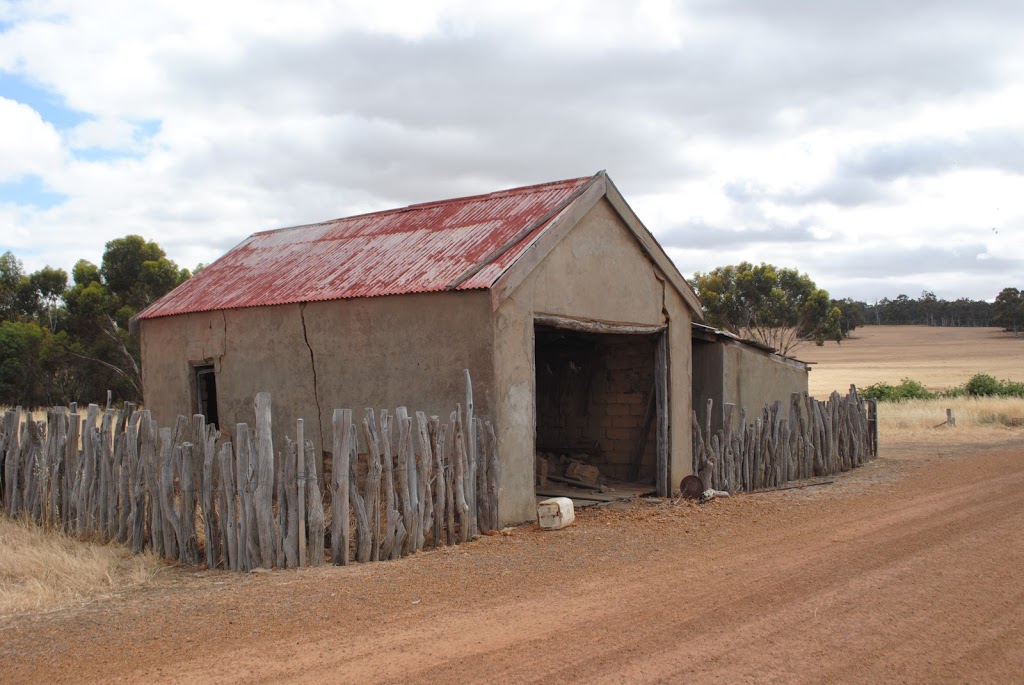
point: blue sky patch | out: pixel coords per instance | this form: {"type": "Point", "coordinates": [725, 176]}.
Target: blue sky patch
{"type": "Point", "coordinates": [49, 105]}
{"type": "Point", "coordinates": [30, 191]}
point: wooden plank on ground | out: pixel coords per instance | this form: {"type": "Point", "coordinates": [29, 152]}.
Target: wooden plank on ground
{"type": "Point", "coordinates": [577, 495]}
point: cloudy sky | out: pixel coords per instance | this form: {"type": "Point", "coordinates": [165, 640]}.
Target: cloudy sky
{"type": "Point", "coordinates": [876, 145]}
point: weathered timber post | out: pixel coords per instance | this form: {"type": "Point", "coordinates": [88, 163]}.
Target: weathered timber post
{"type": "Point", "coordinates": [364, 540]}
{"type": "Point", "coordinates": [248, 551]}
{"type": "Point", "coordinates": [137, 514]}
{"type": "Point", "coordinates": [264, 495]}
{"type": "Point", "coordinates": [372, 503]}
{"type": "Point", "coordinates": [482, 504]}
{"type": "Point", "coordinates": [172, 520]}
{"type": "Point", "coordinates": [211, 529]}
{"type": "Point", "coordinates": [381, 444]}
{"type": "Point", "coordinates": [300, 442]}
{"type": "Point", "coordinates": [282, 501]}
{"type": "Point", "coordinates": [726, 441]}
{"type": "Point", "coordinates": [470, 452]}
{"type": "Point", "coordinates": [189, 544]}
{"type": "Point", "coordinates": [493, 473]}
{"type": "Point", "coordinates": [405, 490]}
{"type": "Point", "coordinates": [122, 497]}
{"type": "Point", "coordinates": [228, 513]}
{"type": "Point", "coordinates": [341, 422]}
{"type": "Point", "coordinates": [436, 446]}
{"type": "Point", "coordinates": [289, 505]}
{"type": "Point", "coordinates": [461, 504]}
{"type": "Point", "coordinates": [104, 475]}
{"type": "Point", "coordinates": [425, 503]}
{"type": "Point", "coordinates": [72, 458]}
{"type": "Point", "coordinates": [315, 505]}
{"type": "Point", "coordinates": [450, 477]}
{"type": "Point", "coordinates": [873, 426]}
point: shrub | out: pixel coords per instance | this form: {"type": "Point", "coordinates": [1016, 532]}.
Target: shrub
{"type": "Point", "coordinates": [883, 392]}
{"type": "Point", "coordinates": [908, 389]}
{"type": "Point", "coordinates": [1013, 389]}
{"type": "Point", "coordinates": [982, 385]}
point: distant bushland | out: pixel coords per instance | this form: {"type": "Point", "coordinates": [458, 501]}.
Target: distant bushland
{"type": "Point", "coordinates": [979, 385]}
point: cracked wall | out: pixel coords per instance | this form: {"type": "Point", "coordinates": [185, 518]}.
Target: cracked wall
{"type": "Point", "coordinates": [375, 352]}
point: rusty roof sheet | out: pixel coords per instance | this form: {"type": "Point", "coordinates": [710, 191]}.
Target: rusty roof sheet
{"type": "Point", "coordinates": [452, 244]}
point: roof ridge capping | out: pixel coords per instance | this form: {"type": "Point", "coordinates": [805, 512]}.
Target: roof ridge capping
{"type": "Point", "coordinates": [517, 190]}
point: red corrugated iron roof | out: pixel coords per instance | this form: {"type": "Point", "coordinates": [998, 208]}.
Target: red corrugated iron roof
{"type": "Point", "coordinates": [460, 244]}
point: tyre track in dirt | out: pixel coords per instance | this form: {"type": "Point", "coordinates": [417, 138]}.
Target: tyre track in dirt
{"type": "Point", "coordinates": [902, 574]}
{"type": "Point", "coordinates": [829, 581]}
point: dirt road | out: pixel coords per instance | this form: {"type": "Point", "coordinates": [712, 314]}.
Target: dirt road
{"type": "Point", "coordinates": [909, 570]}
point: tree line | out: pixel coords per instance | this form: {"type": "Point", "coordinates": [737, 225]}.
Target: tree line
{"type": "Point", "coordinates": [1007, 311]}
{"type": "Point", "coordinates": [783, 308]}
{"type": "Point", "coordinates": [67, 340]}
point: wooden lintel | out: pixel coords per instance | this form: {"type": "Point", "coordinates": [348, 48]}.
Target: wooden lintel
{"type": "Point", "coordinates": [590, 326]}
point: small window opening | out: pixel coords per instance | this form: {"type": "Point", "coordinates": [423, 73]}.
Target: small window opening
{"type": "Point", "coordinates": [206, 394]}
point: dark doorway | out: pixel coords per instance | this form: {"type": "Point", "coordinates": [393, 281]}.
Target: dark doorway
{"type": "Point", "coordinates": [597, 409]}
{"type": "Point", "coordinates": [206, 393]}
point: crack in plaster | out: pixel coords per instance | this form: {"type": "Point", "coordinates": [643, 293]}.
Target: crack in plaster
{"type": "Point", "coordinates": [223, 342]}
{"type": "Point", "coordinates": [312, 364]}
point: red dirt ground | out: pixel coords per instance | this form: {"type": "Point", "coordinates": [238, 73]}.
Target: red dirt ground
{"type": "Point", "coordinates": [908, 570]}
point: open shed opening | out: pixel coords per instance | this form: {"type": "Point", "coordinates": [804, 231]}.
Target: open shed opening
{"type": "Point", "coordinates": [597, 412]}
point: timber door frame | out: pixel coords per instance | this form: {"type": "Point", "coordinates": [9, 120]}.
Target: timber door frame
{"type": "Point", "coordinates": [662, 362]}
{"type": "Point", "coordinates": [663, 424]}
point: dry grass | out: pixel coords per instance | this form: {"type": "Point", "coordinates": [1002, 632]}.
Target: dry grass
{"type": "Point", "coordinates": [978, 420]}
{"type": "Point", "coordinates": [937, 357]}
{"type": "Point", "coordinates": [45, 570]}
{"type": "Point", "coordinates": [37, 415]}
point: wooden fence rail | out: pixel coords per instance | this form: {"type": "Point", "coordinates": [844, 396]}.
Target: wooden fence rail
{"type": "Point", "coordinates": [815, 439]}
{"type": "Point", "coordinates": [191, 494]}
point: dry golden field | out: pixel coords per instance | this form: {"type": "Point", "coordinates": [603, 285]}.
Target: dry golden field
{"type": "Point", "coordinates": [937, 357]}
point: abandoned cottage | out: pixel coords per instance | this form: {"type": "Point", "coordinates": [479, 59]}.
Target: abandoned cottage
{"type": "Point", "coordinates": [573, 322]}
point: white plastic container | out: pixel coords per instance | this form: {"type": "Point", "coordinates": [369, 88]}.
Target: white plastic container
{"type": "Point", "coordinates": [555, 513]}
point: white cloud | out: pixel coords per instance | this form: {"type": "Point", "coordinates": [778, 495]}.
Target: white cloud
{"type": "Point", "coordinates": [28, 145]}
{"type": "Point", "coordinates": [108, 134]}
{"type": "Point", "coordinates": [781, 131]}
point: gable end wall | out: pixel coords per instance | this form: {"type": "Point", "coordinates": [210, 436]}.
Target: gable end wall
{"type": "Point", "coordinates": [597, 272]}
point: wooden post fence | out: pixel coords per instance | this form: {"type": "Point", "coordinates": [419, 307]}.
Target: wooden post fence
{"type": "Point", "coordinates": [196, 496]}
{"type": "Point", "coordinates": [811, 438]}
